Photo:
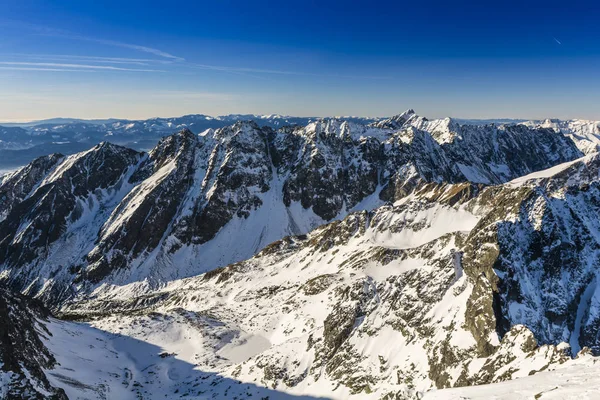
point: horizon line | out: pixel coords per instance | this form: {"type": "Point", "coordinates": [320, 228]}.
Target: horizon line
{"type": "Point", "coordinates": [264, 115]}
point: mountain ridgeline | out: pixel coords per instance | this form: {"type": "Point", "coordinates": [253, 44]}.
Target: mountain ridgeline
{"type": "Point", "coordinates": [377, 260]}
{"type": "Point", "coordinates": [114, 214]}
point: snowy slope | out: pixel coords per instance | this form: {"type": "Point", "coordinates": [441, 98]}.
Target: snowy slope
{"type": "Point", "coordinates": [371, 305]}
{"type": "Point", "coordinates": [576, 380]}
{"type": "Point", "coordinates": [96, 364]}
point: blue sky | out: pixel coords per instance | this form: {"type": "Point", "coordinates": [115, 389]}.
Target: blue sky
{"type": "Point", "coordinates": [134, 59]}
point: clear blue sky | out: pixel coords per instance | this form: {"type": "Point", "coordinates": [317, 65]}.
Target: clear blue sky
{"type": "Point", "coordinates": [134, 59]}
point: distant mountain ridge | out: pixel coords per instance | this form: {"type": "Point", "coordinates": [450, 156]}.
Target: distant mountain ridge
{"type": "Point", "coordinates": [21, 143]}
{"type": "Point", "coordinates": [227, 117]}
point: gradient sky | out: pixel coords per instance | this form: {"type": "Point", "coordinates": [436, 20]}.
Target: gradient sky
{"type": "Point", "coordinates": [139, 59]}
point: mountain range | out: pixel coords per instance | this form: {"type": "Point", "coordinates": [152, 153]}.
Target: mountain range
{"type": "Point", "coordinates": [20, 143]}
{"type": "Point", "coordinates": [275, 257]}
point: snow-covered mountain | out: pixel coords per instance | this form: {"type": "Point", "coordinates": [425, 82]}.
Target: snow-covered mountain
{"type": "Point", "coordinates": [585, 133]}
{"type": "Point", "coordinates": [111, 215]}
{"type": "Point", "coordinates": [428, 293]}
{"type": "Point", "coordinates": [21, 143]}
{"type": "Point", "coordinates": [574, 380]}
{"type": "Point", "coordinates": [332, 260]}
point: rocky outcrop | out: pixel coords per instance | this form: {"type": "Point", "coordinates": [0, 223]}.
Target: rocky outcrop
{"type": "Point", "coordinates": [537, 250]}
{"type": "Point", "coordinates": [23, 355]}
{"type": "Point", "coordinates": [17, 186]}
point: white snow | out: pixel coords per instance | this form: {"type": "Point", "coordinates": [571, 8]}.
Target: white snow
{"type": "Point", "coordinates": [577, 380]}
{"type": "Point", "coordinates": [584, 133]}
{"type": "Point", "coordinates": [548, 173]}
{"type": "Point", "coordinates": [424, 223]}
{"type": "Point", "coordinates": [244, 347]}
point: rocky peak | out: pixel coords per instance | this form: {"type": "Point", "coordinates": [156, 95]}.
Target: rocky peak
{"type": "Point", "coordinates": [324, 129]}
{"type": "Point", "coordinates": [15, 187]}
{"type": "Point", "coordinates": [100, 167]}
{"type": "Point", "coordinates": [243, 133]}
{"type": "Point", "coordinates": [208, 133]}
{"type": "Point", "coordinates": [398, 121]}
{"type": "Point", "coordinates": [173, 147]}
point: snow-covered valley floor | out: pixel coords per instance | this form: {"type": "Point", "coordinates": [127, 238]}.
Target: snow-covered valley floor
{"type": "Point", "coordinates": [96, 364]}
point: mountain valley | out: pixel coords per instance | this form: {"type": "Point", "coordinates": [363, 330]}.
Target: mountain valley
{"type": "Point", "coordinates": [398, 258]}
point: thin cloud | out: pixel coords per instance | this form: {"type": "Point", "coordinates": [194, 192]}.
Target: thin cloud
{"type": "Point", "coordinates": [556, 40]}
{"type": "Point", "coordinates": [47, 31]}
{"type": "Point", "coordinates": [136, 47]}
{"type": "Point", "coordinates": [91, 59]}
{"type": "Point", "coordinates": [164, 57]}
{"type": "Point", "coordinates": [280, 72]}
{"type": "Point", "coordinates": [43, 69]}
{"type": "Point", "coordinates": [107, 60]}
{"type": "Point", "coordinates": [75, 66]}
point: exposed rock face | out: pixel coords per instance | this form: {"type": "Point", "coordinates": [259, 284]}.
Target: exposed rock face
{"type": "Point", "coordinates": [238, 170]}
{"type": "Point", "coordinates": [140, 221]}
{"type": "Point", "coordinates": [540, 255]}
{"type": "Point", "coordinates": [64, 197]}
{"type": "Point", "coordinates": [18, 185]}
{"type": "Point", "coordinates": [198, 196]}
{"type": "Point", "coordinates": [23, 356]}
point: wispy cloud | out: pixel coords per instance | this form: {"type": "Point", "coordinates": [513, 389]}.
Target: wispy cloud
{"type": "Point", "coordinates": [74, 66]}
{"type": "Point", "coordinates": [280, 72]}
{"type": "Point", "coordinates": [144, 49]}
{"type": "Point", "coordinates": [108, 60]}
{"type": "Point", "coordinates": [48, 31]}
{"type": "Point", "coordinates": [43, 69]}
{"type": "Point", "coordinates": [84, 59]}
{"type": "Point", "coordinates": [79, 58]}
{"type": "Point", "coordinates": [163, 58]}
{"type": "Point", "coordinates": [556, 40]}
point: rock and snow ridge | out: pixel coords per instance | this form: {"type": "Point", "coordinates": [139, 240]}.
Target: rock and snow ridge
{"type": "Point", "coordinates": [585, 133]}
{"type": "Point", "coordinates": [23, 353]}
{"type": "Point", "coordinates": [113, 216]}
{"type": "Point", "coordinates": [576, 380]}
{"type": "Point", "coordinates": [390, 303]}
{"type": "Point", "coordinates": [431, 271]}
